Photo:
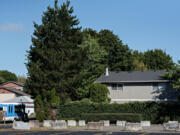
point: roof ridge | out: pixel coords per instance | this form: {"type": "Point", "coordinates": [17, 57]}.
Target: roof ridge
{"type": "Point", "coordinates": [133, 76]}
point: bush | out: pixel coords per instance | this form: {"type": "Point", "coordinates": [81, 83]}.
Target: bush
{"type": "Point", "coordinates": [155, 112]}
{"type": "Point", "coordinates": [112, 117]}
{"type": "Point", "coordinates": [98, 93]}
{"type": "Point", "coordinates": [67, 119]}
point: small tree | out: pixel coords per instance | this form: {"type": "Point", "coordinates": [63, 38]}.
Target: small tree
{"type": "Point", "coordinates": [54, 99]}
{"type": "Point", "coordinates": [39, 108]}
{"type": "Point", "coordinates": [98, 93]}
{"type": "Point", "coordinates": [45, 107]}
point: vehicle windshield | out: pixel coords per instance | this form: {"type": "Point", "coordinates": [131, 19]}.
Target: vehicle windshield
{"type": "Point", "coordinates": [19, 109]}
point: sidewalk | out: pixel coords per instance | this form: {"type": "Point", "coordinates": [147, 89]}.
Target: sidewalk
{"type": "Point", "coordinates": [112, 128]}
{"type": "Point", "coordinates": [154, 128]}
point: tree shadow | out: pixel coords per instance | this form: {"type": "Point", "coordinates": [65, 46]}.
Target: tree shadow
{"type": "Point", "coordinates": [169, 94]}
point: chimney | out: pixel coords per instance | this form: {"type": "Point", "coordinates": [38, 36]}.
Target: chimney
{"type": "Point", "coordinates": [107, 72]}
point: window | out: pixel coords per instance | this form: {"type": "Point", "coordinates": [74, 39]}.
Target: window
{"type": "Point", "coordinates": [114, 86]}
{"type": "Point", "coordinates": [162, 86]}
{"type": "Point", "coordinates": [17, 109]}
{"type": "Point", "coordinates": [159, 86]}
{"type": "Point", "coordinates": [117, 87]}
{"type": "Point", "coordinates": [120, 87]}
{"type": "Point", "coordinates": [155, 86]}
{"type": "Point", "coordinates": [11, 108]}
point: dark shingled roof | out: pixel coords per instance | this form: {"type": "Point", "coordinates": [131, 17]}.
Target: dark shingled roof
{"type": "Point", "coordinates": [133, 76]}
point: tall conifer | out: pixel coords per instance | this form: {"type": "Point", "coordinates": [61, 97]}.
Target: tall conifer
{"type": "Point", "coordinates": [53, 56]}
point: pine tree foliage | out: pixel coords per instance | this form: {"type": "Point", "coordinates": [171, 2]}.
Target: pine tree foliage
{"type": "Point", "coordinates": [53, 56]}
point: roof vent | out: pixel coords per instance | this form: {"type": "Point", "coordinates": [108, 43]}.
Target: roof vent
{"type": "Point", "coordinates": [107, 72]}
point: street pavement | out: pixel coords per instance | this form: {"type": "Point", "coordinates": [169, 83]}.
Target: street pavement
{"type": "Point", "coordinates": [78, 133]}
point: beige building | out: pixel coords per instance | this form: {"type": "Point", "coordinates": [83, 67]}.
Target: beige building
{"type": "Point", "coordinates": [7, 93]}
{"type": "Point", "coordinates": [138, 86]}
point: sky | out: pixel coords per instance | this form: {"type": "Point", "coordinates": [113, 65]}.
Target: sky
{"type": "Point", "coordinates": [142, 24]}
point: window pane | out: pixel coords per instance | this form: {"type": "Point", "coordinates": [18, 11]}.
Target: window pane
{"type": "Point", "coordinates": [161, 86]}
{"type": "Point", "coordinates": [9, 109]}
{"type": "Point", "coordinates": [120, 87]}
{"type": "Point", "coordinates": [155, 86]}
{"type": "Point", "coordinates": [114, 86]}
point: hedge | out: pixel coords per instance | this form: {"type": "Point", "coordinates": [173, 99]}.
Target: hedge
{"type": "Point", "coordinates": [154, 111]}
{"type": "Point", "coordinates": [112, 117]}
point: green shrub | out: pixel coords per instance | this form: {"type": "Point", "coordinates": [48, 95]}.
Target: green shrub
{"type": "Point", "coordinates": [130, 117]}
{"type": "Point", "coordinates": [67, 119]}
{"type": "Point", "coordinates": [98, 92]}
{"type": "Point", "coordinates": [153, 111]}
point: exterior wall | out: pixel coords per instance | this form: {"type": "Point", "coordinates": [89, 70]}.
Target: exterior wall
{"type": "Point", "coordinates": [141, 92]}
{"type": "Point", "coordinates": [6, 96]}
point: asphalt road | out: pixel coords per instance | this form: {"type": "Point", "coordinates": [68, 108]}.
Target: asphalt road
{"type": "Point", "coordinates": [77, 133]}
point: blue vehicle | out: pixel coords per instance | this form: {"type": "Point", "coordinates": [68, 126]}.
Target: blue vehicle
{"type": "Point", "coordinates": [14, 112]}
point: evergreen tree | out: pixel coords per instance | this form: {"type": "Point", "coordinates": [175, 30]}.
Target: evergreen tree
{"type": "Point", "coordinates": [53, 58]}
{"type": "Point", "coordinates": [158, 60]}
